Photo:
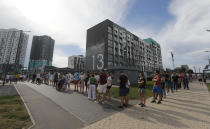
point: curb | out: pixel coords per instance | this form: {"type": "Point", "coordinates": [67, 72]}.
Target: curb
{"type": "Point", "coordinates": [29, 112]}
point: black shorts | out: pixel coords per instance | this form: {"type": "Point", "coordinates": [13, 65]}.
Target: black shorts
{"type": "Point", "coordinates": [200, 80]}
{"type": "Point", "coordinates": [109, 87]}
{"type": "Point", "coordinates": [127, 90]}
{"type": "Point", "coordinates": [123, 92]}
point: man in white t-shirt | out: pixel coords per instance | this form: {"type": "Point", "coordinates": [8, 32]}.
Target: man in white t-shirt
{"type": "Point", "coordinates": [38, 78]}
{"type": "Point", "coordinates": [127, 93]}
{"type": "Point", "coordinates": [109, 85]}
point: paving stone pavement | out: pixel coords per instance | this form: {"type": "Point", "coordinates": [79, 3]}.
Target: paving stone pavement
{"type": "Point", "coordinates": [181, 110]}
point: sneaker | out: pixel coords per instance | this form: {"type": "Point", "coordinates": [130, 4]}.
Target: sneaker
{"type": "Point", "coordinates": [140, 104]}
{"type": "Point", "coordinates": [159, 102]}
{"type": "Point", "coordinates": [102, 102]}
{"type": "Point", "coordinates": [120, 107]}
{"type": "Point", "coordinates": [143, 105]}
{"type": "Point", "coordinates": [96, 101]}
{"type": "Point", "coordinates": [125, 105]}
{"type": "Point", "coordinates": [153, 101]}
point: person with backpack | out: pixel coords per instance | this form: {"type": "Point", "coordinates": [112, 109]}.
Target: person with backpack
{"type": "Point", "coordinates": [87, 76]}
{"type": "Point", "coordinates": [92, 82]}
{"type": "Point", "coordinates": [142, 89]}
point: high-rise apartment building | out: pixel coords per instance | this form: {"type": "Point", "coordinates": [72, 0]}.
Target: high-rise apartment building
{"type": "Point", "coordinates": [112, 47]}
{"type": "Point", "coordinates": [76, 62]}
{"type": "Point", "coordinates": [41, 53]}
{"type": "Point", "coordinates": [13, 44]}
{"type": "Point", "coordinates": [153, 57]}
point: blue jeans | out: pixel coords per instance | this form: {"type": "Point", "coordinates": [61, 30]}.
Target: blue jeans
{"type": "Point", "coordinates": [171, 86]}
{"type": "Point", "coordinates": [164, 92]}
{"type": "Point", "coordinates": [175, 85]}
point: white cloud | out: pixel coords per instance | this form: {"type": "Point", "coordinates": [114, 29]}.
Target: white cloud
{"type": "Point", "coordinates": [64, 20]}
{"type": "Point", "coordinates": [67, 20]}
{"type": "Point", "coordinates": [60, 59]}
{"type": "Point", "coordinates": [186, 34]}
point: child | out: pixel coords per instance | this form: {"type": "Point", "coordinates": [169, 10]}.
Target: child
{"type": "Point", "coordinates": [92, 87]}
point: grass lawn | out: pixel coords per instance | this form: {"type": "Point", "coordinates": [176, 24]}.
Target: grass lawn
{"type": "Point", "coordinates": [134, 94]}
{"type": "Point", "coordinates": [13, 114]}
{"type": "Point", "coordinates": [208, 85]}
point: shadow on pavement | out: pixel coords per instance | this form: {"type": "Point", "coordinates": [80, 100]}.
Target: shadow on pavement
{"type": "Point", "coordinates": [160, 116]}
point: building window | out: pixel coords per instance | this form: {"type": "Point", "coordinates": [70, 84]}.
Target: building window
{"type": "Point", "coordinates": [109, 36]}
{"type": "Point", "coordinates": [110, 64]}
{"type": "Point", "coordinates": [110, 50]}
{"type": "Point", "coordinates": [109, 29]}
{"type": "Point", "coordinates": [110, 44]}
{"type": "Point", "coordinates": [110, 57]}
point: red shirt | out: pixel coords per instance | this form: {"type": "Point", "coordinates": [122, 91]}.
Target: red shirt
{"type": "Point", "coordinates": [103, 79]}
{"type": "Point", "coordinates": [158, 82]}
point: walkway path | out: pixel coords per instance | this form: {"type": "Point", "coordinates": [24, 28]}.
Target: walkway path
{"type": "Point", "coordinates": [46, 113]}
{"type": "Point", "coordinates": [183, 109]}
{"type": "Point", "coordinates": [77, 104]}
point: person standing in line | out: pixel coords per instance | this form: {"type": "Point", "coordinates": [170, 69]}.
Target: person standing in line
{"type": "Point", "coordinates": [38, 78]}
{"type": "Point", "coordinates": [20, 77]}
{"type": "Point", "coordinates": [123, 80]}
{"type": "Point", "coordinates": [163, 86]}
{"type": "Point", "coordinates": [127, 93]}
{"type": "Point", "coordinates": [76, 81]}
{"type": "Point", "coordinates": [82, 79]}
{"type": "Point", "coordinates": [180, 81]}
{"type": "Point", "coordinates": [66, 81]}
{"type": "Point", "coordinates": [200, 79]}
{"type": "Point", "coordinates": [97, 78]}
{"type": "Point", "coordinates": [87, 76]}
{"type": "Point", "coordinates": [51, 79]}
{"type": "Point", "coordinates": [175, 81]}
{"type": "Point", "coordinates": [167, 78]}
{"type": "Point", "coordinates": [7, 78]}
{"type": "Point", "coordinates": [102, 87]}
{"type": "Point", "coordinates": [109, 86]}
{"type": "Point", "coordinates": [69, 80]}
{"type": "Point", "coordinates": [16, 78]}
{"type": "Point", "coordinates": [92, 82]}
{"type": "Point", "coordinates": [55, 80]}
{"type": "Point", "coordinates": [142, 89]}
{"type": "Point", "coordinates": [186, 82]}
{"type": "Point", "coordinates": [157, 87]}
{"type": "Point", "coordinates": [33, 78]}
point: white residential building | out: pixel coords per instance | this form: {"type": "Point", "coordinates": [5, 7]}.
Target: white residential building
{"type": "Point", "coordinates": [76, 62]}
{"type": "Point", "coordinates": [13, 44]}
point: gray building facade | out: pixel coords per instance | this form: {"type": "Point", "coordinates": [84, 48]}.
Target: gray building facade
{"type": "Point", "coordinates": [76, 62]}
{"type": "Point", "coordinates": [112, 47]}
{"type": "Point", "coordinates": [13, 44]}
{"type": "Point", "coordinates": [41, 53]}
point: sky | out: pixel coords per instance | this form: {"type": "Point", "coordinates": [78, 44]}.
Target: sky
{"type": "Point", "coordinates": [178, 25]}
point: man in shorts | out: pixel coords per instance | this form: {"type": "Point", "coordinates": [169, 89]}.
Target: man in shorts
{"type": "Point", "coordinates": [157, 87]}
{"type": "Point", "coordinates": [76, 81]}
{"type": "Point", "coordinates": [142, 87]}
{"type": "Point", "coordinates": [123, 80]}
{"type": "Point", "coordinates": [102, 86]}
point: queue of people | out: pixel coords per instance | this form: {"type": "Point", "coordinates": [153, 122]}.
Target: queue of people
{"type": "Point", "coordinates": [98, 85]}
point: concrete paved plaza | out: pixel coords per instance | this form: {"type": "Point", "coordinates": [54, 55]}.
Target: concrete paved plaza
{"type": "Point", "coordinates": [182, 109]}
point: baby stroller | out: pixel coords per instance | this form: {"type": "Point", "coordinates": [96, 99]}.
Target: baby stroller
{"type": "Point", "coordinates": [60, 85]}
